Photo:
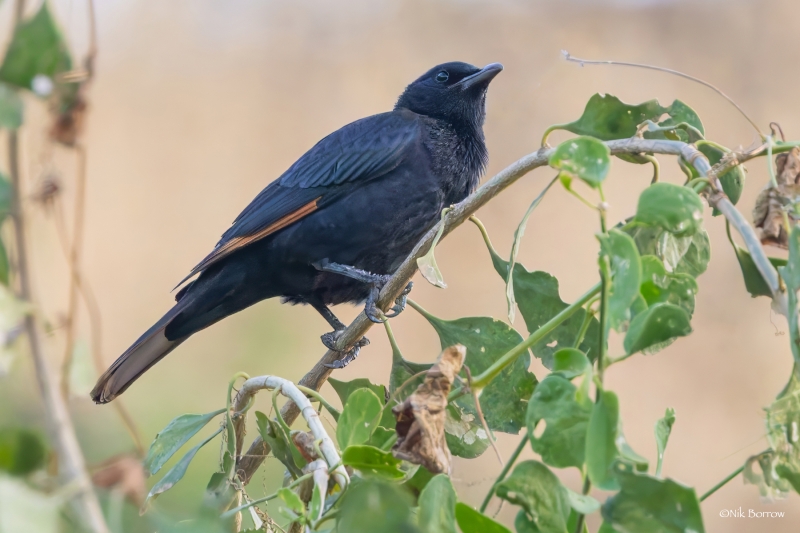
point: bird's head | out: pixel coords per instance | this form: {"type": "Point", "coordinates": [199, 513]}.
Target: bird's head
{"type": "Point", "coordinates": [455, 92]}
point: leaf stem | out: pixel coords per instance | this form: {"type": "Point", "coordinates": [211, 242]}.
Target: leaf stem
{"type": "Point", "coordinates": [317, 396]}
{"type": "Point", "coordinates": [498, 366]}
{"type": "Point", "coordinates": [293, 484]}
{"type": "Point", "coordinates": [722, 483]}
{"type": "Point", "coordinates": [604, 290]}
{"type": "Point", "coordinates": [656, 167]}
{"type": "Point", "coordinates": [587, 486]}
{"type": "Point", "coordinates": [770, 162]}
{"type": "Point", "coordinates": [504, 472]}
{"type": "Point", "coordinates": [587, 321]}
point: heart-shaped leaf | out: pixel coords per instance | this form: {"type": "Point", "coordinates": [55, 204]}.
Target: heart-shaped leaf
{"type": "Point", "coordinates": [554, 403]}
{"type": "Point", "coordinates": [671, 207]}
{"type": "Point", "coordinates": [583, 158]}
{"type": "Point", "coordinates": [661, 323]}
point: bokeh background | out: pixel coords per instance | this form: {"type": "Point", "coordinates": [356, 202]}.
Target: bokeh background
{"type": "Point", "coordinates": [197, 105]}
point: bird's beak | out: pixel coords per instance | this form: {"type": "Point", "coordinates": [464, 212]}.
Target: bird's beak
{"type": "Point", "coordinates": [483, 76]}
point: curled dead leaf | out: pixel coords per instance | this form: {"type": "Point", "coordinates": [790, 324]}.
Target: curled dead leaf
{"type": "Point", "coordinates": [421, 417]}
{"type": "Point", "coordinates": [122, 473]}
{"type": "Point", "coordinates": [304, 441]}
{"type": "Point", "coordinates": [773, 202]}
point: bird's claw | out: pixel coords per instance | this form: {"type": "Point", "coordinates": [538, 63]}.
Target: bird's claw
{"type": "Point", "coordinates": [374, 313]}
{"type": "Point", "coordinates": [400, 302]}
{"type": "Point", "coordinates": [329, 340]}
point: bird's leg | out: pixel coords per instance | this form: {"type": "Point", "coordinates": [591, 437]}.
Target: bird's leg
{"type": "Point", "coordinates": [376, 283]}
{"type": "Point", "coordinates": [329, 339]}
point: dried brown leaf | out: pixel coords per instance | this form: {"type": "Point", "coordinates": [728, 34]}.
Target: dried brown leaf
{"type": "Point", "coordinates": [421, 417]}
{"type": "Point", "coordinates": [773, 202]}
{"type": "Point", "coordinates": [123, 473]}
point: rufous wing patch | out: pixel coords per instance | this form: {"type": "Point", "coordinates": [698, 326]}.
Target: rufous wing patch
{"type": "Point", "coordinates": [240, 242]}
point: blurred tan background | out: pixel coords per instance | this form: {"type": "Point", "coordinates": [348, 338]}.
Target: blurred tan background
{"type": "Point", "coordinates": [197, 105]}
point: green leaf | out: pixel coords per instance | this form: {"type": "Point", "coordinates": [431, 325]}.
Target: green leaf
{"type": "Point", "coordinates": [572, 523]}
{"type": "Point", "coordinates": [371, 505]}
{"type": "Point", "coordinates": [671, 207]}
{"type": "Point", "coordinates": [627, 454]}
{"type": "Point", "coordinates": [601, 447]}
{"type": "Point", "coordinates": [22, 451]}
{"type": "Point", "coordinates": [317, 503]}
{"type": "Point", "coordinates": [25, 510]}
{"type": "Point", "coordinates": [381, 436]}
{"type": "Point", "coordinates": [753, 280]}
{"type": "Point", "coordinates": [464, 434]}
{"type": "Point", "coordinates": [471, 521]}
{"type": "Point", "coordinates": [176, 472]}
{"type": "Point", "coordinates": [608, 118]}
{"type": "Point", "coordinates": [510, 298]}
{"type": "Point", "coordinates": [359, 418]}
{"type": "Point", "coordinates": [783, 417]}
{"type": "Point", "coordinates": [660, 286]}
{"type": "Point", "coordinates": [570, 363]}
{"type": "Point", "coordinates": [373, 462]}
{"type": "Point", "coordinates": [292, 501]}
{"type": "Point", "coordinates": [646, 503]}
{"type": "Point", "coordinates": [10, 108]}
{"type": "Point", "coordinates": [626, 275]}
{"type": "Point", "coordinates": [539, 301]}
{"type": "Point", "coordinates": [687, 255]}
{"type": "Point", "coordinates": [6, 196]}
{"type": "Point", "coordinates": [663, 429]}
{"type": "Point", "coordinates": [791, 272]}
{"type": "Point", "coordinates": [581, 503]}
{"type": "Point", "coordinates": [437, 506]}
{"type": "Point", "coordinates": [345, 388]}
{"type": "Point", "coordinates": [563, 442]}
{"type": "Point", "coordinates": [539, 492]}
{"type": "Point", "coordinates": [273, 435]}
{"type": "Point", "coordinates": [605, 527]}
{"type": "Point", "coordinates": [583, 158]}
{"type": "Point", "coordinates": [661, 323]}
{"type": "Point", "coordinates": [486, 339]}
{"type": "Point", "coordinates": [36, 48]}
{"type": "Point", "coordinates": [172, 437]}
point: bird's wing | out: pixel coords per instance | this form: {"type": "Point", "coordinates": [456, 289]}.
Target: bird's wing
{"type": "Point", "coordinates": [359, 152]}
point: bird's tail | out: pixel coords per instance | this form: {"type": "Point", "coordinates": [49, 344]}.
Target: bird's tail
{"type": "Point", "coordinates": [149, 349]}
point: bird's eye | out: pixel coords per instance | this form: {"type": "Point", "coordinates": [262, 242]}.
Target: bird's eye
{"type": "Point", "coordinates": [442, 76]}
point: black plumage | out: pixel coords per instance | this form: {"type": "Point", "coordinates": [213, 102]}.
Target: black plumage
{"type": "Point", "coordinates": [359, 199]}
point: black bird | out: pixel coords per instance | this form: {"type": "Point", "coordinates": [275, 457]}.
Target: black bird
{"type": "Point", "coordinates": [335, 225]}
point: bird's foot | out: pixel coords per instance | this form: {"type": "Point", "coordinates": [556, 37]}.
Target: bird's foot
{"type": "Point", "coordinates": [329, 340]}
{"type": "Point", "coordinates": [376, 283]}
{"type": "Point", "coordinates": [374, 313]}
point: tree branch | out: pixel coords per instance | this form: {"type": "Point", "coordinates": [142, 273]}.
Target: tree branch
{"type": "Point", "coordinates": [59, 424]}
{"type": "Point", "coordinates": [303, 404]}
{"type": "Point", "coordinates": [314, 379]}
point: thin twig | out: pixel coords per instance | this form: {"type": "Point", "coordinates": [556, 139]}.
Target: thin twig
{"type": "Point", "coordinates": [71, 462]}
{"type": "Point", "coordinates": [74, 267]}
{"type": "Point", "coordinates": [582, 62]}
{"type": "Point", "coordinates": [504, 472]}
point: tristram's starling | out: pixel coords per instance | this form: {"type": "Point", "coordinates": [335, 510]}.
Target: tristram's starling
{"type": "Point", "coordinates": [335, 225]}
